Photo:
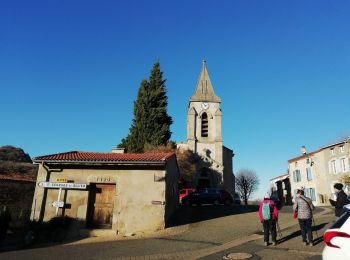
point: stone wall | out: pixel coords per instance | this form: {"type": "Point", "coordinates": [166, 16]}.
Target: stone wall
{"type": "Point", "coordinates": [17, 196]}
{"type": "Point", "coordinates": [139, 200]}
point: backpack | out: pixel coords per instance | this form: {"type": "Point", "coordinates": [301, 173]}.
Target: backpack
{"type": "Point", "coordinates": [266, 211]}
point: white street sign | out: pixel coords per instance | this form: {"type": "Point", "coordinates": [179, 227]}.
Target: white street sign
{"type": "Point", "coordinates": [62, 185]}
{"type": "Point", "coordinates": [58, 204]}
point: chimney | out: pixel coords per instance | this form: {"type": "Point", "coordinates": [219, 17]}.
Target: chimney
{"type": "Point", "coordinates": [303, 150]}
{"type": "Point", "coordinates": [118, 150]}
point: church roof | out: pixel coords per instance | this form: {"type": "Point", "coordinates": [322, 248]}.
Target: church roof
{"type": "Point", "coordinates": [204, 90]}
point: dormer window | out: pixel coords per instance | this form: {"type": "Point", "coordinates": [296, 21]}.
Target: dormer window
{"type": "Point", "coordinates": [204, 125]}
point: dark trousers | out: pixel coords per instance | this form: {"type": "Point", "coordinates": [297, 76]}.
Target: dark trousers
{"type": "Point", "coordinates": [269, 227]}
{"type": "Point", "coordinates": [306, 229]}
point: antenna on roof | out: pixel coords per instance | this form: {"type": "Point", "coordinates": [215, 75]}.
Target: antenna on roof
{"type": "Point", "coordinates": [303, 150]}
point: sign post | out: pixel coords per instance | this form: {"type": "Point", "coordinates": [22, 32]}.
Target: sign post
{"type": "Point", "coordinates": [58, 200]}
{"type": "Point", "coordinates": [61, 185]}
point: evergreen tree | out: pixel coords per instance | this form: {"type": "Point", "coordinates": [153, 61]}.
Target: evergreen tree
{"type": "Point", "coordinates": [158, 132]}
{"type": "Point", "coordinates": [151, 122]}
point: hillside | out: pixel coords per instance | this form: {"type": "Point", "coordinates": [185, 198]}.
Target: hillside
{"type": "Point", "coordinates": [15, 160]}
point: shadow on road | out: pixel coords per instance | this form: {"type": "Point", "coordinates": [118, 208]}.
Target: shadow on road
{"type": "Point", "coordinates": [298, 234]}
{"type": "Point", "coordinates": [189, 215]}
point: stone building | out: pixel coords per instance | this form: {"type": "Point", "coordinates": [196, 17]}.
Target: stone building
{"type": "Point", "coordinates": [16, 194]}
{"type": "Point", "coordinates": [280, 187]}
{"type": "Point", "coordinates": [128, 193]}
{"type": "Point", "coordinates": [204, 136]}
{"type": "Point", "coordinates": [319, 170]}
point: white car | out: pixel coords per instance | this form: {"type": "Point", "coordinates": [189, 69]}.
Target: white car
{"type": "Point", "coordinates": [337, 238]}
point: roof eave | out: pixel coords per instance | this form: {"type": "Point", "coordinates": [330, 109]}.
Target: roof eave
{"type": "Point", "coordinates": [335, 144]}
{"type": "Point", "coordinates": [60, 162]}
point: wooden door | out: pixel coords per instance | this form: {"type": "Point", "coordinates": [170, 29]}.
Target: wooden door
{"type": "Point", "coordinates": [102, 200]}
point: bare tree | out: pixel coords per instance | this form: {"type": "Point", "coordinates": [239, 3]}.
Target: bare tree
{"type": "Point", "coordinates": [247, 183]}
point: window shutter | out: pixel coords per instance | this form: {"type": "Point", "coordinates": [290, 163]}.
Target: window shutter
{"type": "Point", "coordinates": [307, 192]}
{"type": "Point", "coordinates": [337, 166]}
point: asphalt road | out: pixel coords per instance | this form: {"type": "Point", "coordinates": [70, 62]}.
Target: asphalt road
{"type": "Point", "coordinates": [209, 226]}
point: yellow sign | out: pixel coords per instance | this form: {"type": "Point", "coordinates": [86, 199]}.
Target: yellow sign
{"type": "Point", "coordinates": [61, 180]}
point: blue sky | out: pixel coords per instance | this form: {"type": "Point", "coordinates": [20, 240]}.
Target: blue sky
{"type": "Point", "coordinates": [70, 70]}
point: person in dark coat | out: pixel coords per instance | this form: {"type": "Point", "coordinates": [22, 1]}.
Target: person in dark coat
{"type": "Point", "coordinates": [5, 219]}
{"type": "Point", "coordinates": [342, 199]}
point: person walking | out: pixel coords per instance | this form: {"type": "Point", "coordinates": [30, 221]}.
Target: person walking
{"type": "Point", "coordinates": [342, 200]}
{"type": "Point", "coordinates": [5, 218]}
{"type": "Point", "coordinates": [304, 207]}
{"type": "Point", "coordinates": [268, 215]}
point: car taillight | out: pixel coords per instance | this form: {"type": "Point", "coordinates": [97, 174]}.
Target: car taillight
{"type": "Point", "coordinates": [328, 236]}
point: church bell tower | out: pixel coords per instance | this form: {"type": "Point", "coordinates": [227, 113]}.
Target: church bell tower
{"type": "Point", "coordinates": [204, 120]}
{"type": "Point", "coordinates": [204, 137]}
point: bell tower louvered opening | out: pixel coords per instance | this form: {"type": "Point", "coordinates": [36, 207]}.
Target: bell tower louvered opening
{"type": "Point", "coordinates": [204, 125]}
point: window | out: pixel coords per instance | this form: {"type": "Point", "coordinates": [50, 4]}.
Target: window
{"type": "Point", "coordinates": [296, 176]}
{"type": "Point", "coordinates": [312, 194]}
{"type": "Point", "coordinates": [308, 174]}
{"type": "Point", "coordinates": [332, 151]}
{"type": "Point", "coordinates": [307, 192]}
{"type": "Point", "coordinates": [334, 169]}
{"type": "Point", "coordinates": [341, 148]}
{"type": "Point", "coordinates": [204, 125]}
{"type": "Point", "coordinates": [343, 164]}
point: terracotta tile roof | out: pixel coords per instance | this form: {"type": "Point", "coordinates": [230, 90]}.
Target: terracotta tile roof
{"type": "Point", "coordinates": [75, 156]}
{"type": "Point", "coordinates": [17, 177]}
{"type": "Point", "coordinates": [303, 156]}
{"type": "Point", "coordinates": [320, 149]}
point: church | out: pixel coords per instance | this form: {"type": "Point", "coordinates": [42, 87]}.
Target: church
{"type": "Point", "coordinates": [204, 137]}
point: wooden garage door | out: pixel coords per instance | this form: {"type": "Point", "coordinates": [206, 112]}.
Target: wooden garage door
{"type": "Point", "coordinates": [102, 200]}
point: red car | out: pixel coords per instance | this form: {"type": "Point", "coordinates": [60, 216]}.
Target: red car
{"type": "Point", "coordinates": [185, 192]}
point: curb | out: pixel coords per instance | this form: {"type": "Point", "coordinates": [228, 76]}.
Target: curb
{"type": "Point", "coordinates": [199, 253]}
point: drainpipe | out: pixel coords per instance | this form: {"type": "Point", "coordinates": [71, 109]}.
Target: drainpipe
{"type": "Point", "coordinates": [43, 203]}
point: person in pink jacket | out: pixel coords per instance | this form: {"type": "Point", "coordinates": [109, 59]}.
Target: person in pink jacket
{"type": "Point", "coordinates": [268, 215]}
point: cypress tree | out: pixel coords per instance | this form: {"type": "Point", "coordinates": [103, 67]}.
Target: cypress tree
{"type": "Point", "coordinates": [151, 122]}
{"type": "Point", "coordinates": [158, 132]}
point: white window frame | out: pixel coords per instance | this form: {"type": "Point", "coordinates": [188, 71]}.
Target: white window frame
{"type": "Point", "coordinates": [333, 167]}
{"type": "Point", "coordinates": [343, 164]}
{"type": "Point", "coordinates": [341, 148]}
{"type": "Point", "coordinates": [332, 151]}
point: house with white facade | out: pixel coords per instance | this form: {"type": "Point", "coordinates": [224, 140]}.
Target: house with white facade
{"type": "Point", "coordinates": [316, 172]}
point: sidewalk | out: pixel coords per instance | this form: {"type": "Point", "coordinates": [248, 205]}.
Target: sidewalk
{"type": "Point", "coordinates": [290, 247]}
